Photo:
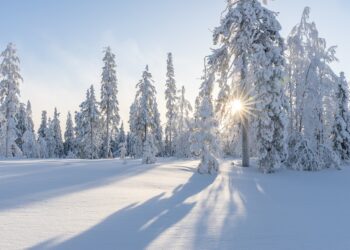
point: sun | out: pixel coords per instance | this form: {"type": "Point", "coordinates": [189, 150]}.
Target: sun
{"type": "Point", "coordinates": [236, 106]}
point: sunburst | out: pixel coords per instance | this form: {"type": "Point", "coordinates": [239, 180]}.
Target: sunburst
{"type": "Point", "coordinates": [240, 105]}
{"type": "Point", "coordinates": [236, 106]}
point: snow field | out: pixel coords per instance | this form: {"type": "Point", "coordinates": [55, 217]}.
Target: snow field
{"type": "Point", "coordinates": [105, 204]}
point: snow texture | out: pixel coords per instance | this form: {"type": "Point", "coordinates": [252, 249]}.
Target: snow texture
{"type": "Point", "coordinates": [105, 204]}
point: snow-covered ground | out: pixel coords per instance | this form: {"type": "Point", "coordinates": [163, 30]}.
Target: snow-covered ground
{"type": "Point", "coordinates": [104, 204]}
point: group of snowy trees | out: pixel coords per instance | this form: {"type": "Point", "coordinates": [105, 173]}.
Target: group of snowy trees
{"type": "Point", "coordinates": [17, 135]}
{"type": "Point", "coordinates": [314, 98]}
{"type": "Point", "coordinates": [96, 124]}
{"type": "Point", "coordinates": [95, 133]}
{"type": "Point", "coordinates": [293, 108]}
{"type": "Point", "coordinates": [249, 61]}
{"type": "Point", "coordinates": [146, 134]}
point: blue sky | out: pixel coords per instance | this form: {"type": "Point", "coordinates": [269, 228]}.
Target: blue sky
{"type": "Point", "coordinates": [60, 43]}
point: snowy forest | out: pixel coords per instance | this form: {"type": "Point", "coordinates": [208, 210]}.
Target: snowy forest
{"type": "Point", "coordinates": [185, 125]}
{"type": "Point", "coordinates": [262, 96]}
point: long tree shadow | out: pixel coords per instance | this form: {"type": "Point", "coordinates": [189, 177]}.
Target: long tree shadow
{"type": "Point", "coordinates": [228, 206]}
{"type": "Point", "coordinates": [136, 226]}
{"type": "Point", "coordinates": [22, 185]}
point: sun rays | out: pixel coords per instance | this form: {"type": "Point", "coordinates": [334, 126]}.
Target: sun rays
{"type": "Point", "coordinates": [240, 104]}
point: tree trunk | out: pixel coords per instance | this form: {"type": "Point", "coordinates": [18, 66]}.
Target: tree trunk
{"type": "Point", "coordinates": [245, 143]}
{"type": "Point", "coordinates": [170, 141]}
{"type": "Point", "coordinates": [7, 141]}
{"type": "Point", "coordinates": [107, 153]}
{"type": "Point", "coordinates": [291, 108]}
{"type": "Point", "coordinates": [7, 132]}
{"type": "Point", "coordinates": [91, 141]}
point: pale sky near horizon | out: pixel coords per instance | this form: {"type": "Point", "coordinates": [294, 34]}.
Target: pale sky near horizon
{"type": "Point", "coordinates": [60, 43]}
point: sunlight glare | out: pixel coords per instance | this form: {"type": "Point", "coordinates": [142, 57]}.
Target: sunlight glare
{"type": "Point", "coordinates": [236, 106]}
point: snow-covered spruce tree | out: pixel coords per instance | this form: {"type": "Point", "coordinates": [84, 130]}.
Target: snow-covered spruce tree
{"type": "Point", "coordinates": [9, 100]}
{"type": "Point", "coordinates": [29, 112]}
{"type": "Point", "coordinates": [144, 124]}
{"type": "Point", "coordinates": [42, 136]}
{"type": "Point", "coordinates": [171, 100]}
{"type": "Point", "coordinates": [29, 146]}
{"type": "Point", "coordinates": [109, 102]}
{"type": "Point", "coordinates": [231, 60]}
{"type": "Point", "coordinates": [183, 126]}
{"type": "Point", "coordinates": [250, 61]}
{"type": "Point", "coordinates": [2, 134]}
{"type": "Point", "coordinates": [21, 118]}
{"type": "Point", "coordinates": [69, 138]}
{"type": "Point", "coordinates": [121, 135]}
{"type": "Point", "coordinates": [43, 124]}
{"type": "Point", "coordinates": [136, 130]}
{"type": "Point", "coordinates": [89, 126]}
{"type": "Point", "coordinates": [204, 137]}
{"type": "Point", "coordinates": [120, 138]}
{"type": "Point", "coordinates": [79, 134]}
{"type": "Point", "coordinates": [341, 129]}
{"type": "Point", "coordinates": [158, 131]}
{"type": "Point", "coordinates": [50, 139]}
{"type": "Point", "coordinates": [57, 135]}
{"type": "Point", "coordinates": [268, 67]}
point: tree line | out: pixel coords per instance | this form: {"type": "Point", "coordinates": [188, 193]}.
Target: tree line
{"type": "Point", "coordinates": [293, 107]}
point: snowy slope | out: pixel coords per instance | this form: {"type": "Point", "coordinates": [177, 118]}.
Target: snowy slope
{"type": "Point", "coordinates": [103, 204]}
